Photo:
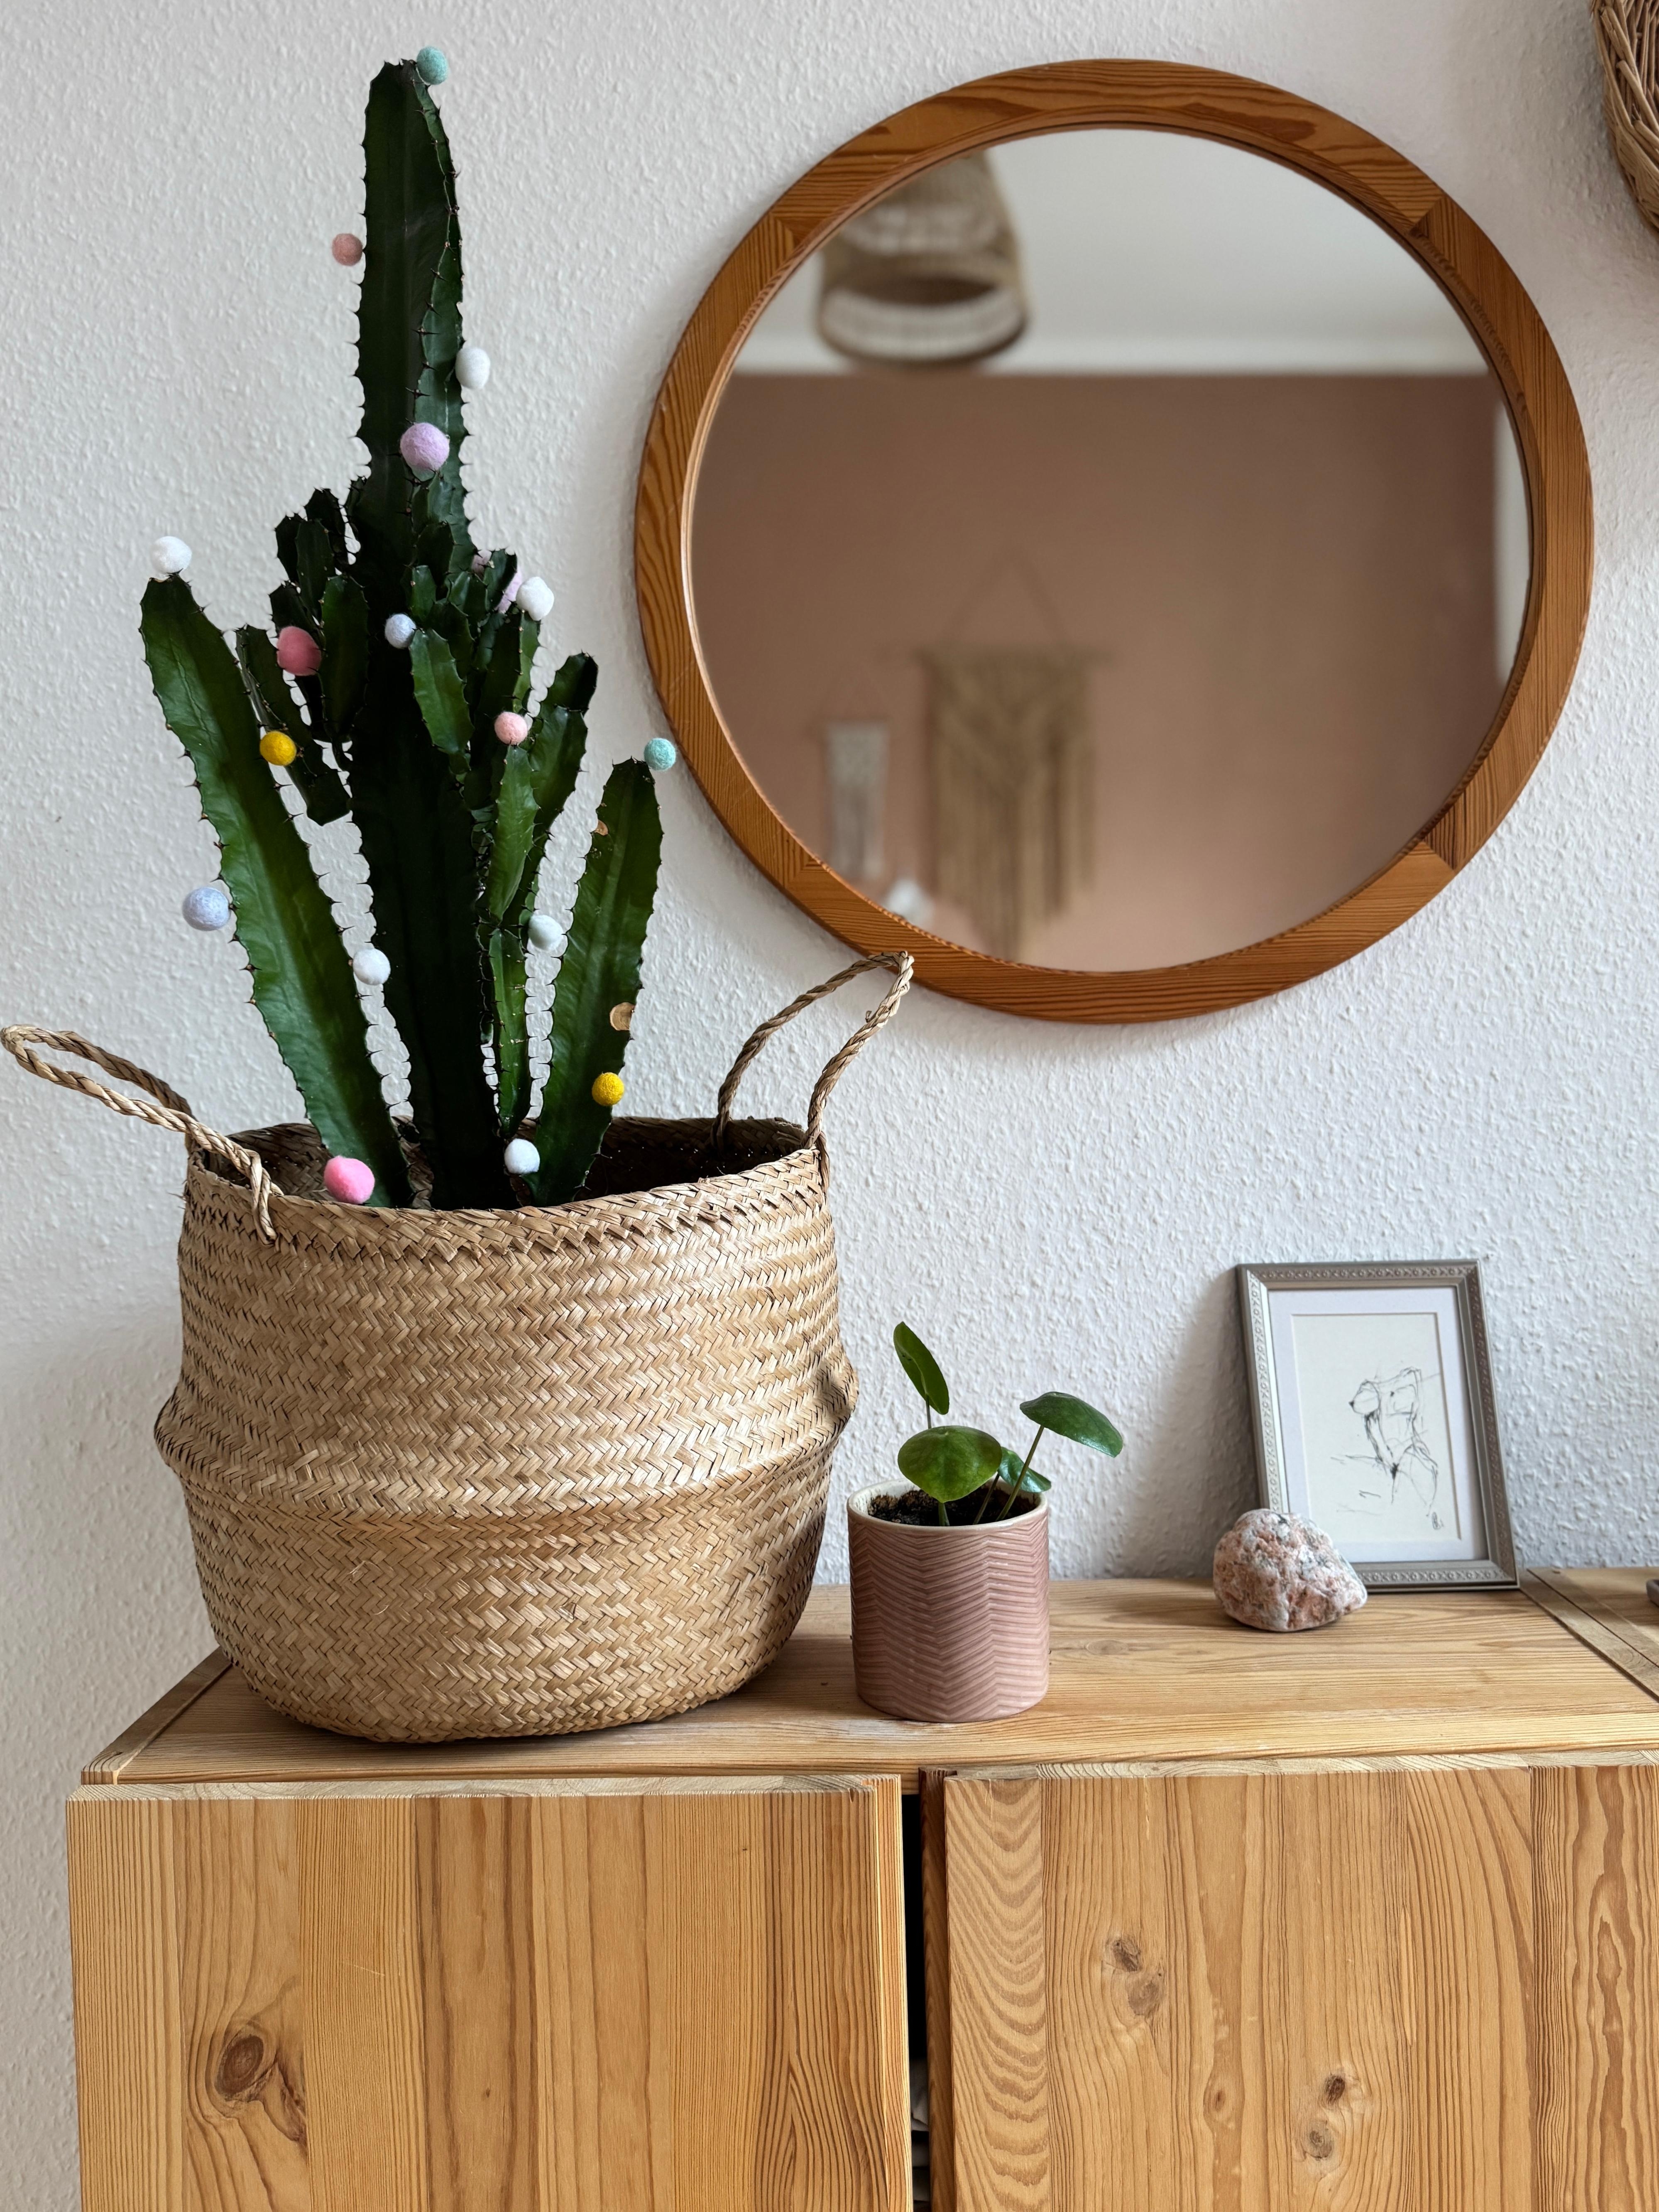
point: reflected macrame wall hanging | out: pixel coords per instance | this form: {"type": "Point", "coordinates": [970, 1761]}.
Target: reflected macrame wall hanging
{"type": "Point", "coordinates": [1013, 785]}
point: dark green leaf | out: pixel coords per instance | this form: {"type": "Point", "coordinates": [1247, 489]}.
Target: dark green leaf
{"type": "Point", "coordinates": [600, 971]}
{"type": "Point", "coordinates": [418, 842]}
{"type": "Point", "coordinates": [314, 778]}
{"type": "Point", "coordinates": [345, 650]}
{"type": "Point", "coordinates": [324, 509]}
{"type": "Point", "coordinates": [950, 1462]}
{"type": "Point", "coordinates": [506, 975]}
{"type": "Point", "coordinates": [443, 699]}
{"type": "Point", "coordinates": [512, 831]}
{"type": "Point", "coordinates": [923, 1370]}
{"type": "Point", "coordinates": [422, 594]}
{"type": "Point", "coordinates": [555, 747]}
{"type": "Point", "coordinates": [1070, 1417]}
{"type": "Point", "coordinates": [302, 980]}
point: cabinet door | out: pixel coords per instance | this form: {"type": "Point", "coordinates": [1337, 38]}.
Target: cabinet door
{"type": "Point", "coordinates": [559, 1998]}
{"type": "Point", "coordinates": [1433, 1989]}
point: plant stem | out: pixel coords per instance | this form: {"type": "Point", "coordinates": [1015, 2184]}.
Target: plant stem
{"type": "Point", "coordinates": [1020, 1484]}
{"type": "Point", "coordinates": [943, 1513]}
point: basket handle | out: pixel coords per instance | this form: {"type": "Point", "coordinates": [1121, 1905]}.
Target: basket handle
{"type": "Point", "coordinates": [161, 1105]}
{"type": "Point", "coordinates": [901, 966]}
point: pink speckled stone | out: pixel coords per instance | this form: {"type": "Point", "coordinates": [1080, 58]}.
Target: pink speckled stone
{"type": "Point", "coordinates": [350, 1180]}
{"type": "Point", "coordinates": [512, 729]}
{"type": "Point", "coordinates": [424, 445]}
{"type": "Point", "coordinates": [1275, 1571]}
{"type": "Point", "coordinates": [297, 651]}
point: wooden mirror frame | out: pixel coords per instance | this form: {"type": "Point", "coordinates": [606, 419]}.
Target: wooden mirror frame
{"type": "Point", "coordinates": [1236, 112]}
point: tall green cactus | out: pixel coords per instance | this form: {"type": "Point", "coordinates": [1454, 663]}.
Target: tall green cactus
{"type": "Point", "coordinates": [452, 820]}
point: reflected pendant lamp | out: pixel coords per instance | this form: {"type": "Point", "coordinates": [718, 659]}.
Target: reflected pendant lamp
{"type": "Point", "coordinates": [928, 277]}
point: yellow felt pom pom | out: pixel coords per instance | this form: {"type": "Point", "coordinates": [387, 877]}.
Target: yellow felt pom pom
{"type": "Point", "coordinates": [608, 1090]}
{"type": "Point", "coordinates": [277, 747]}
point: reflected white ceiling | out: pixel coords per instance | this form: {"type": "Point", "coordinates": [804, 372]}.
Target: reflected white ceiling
{"type": "Point", "coordinates": [1148, 252]}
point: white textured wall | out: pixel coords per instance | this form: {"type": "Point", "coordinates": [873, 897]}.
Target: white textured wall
{"type": "Point", "coordinates": [1046, 1205]}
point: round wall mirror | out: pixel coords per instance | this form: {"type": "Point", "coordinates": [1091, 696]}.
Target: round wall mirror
{"type": "Point", "coordinates": [1120, 533]}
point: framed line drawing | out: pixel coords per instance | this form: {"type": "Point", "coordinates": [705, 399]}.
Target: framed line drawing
{"type": "Point", "coordinates": [1371, 1391]}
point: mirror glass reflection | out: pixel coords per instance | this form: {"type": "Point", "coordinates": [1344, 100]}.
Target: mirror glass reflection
{"type": "Point", "coordinates": [1110, 550]}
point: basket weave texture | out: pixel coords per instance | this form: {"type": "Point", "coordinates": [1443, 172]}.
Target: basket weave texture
{"type": "Point", "coordinates": [1627, 33]}
{"type": "Point", "coordinates": [510, 1473]}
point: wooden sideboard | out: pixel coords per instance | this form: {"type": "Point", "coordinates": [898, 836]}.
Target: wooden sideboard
{"type": "Point", "coordinates": [1363, 1921]}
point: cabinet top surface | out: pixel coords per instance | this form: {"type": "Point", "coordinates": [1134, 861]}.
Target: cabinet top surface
{"type": "Point", "coordinates": [1142, 1672]}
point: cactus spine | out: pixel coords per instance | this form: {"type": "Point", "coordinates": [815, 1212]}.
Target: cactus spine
{"type": "Point", "coordinates": [453, 823]}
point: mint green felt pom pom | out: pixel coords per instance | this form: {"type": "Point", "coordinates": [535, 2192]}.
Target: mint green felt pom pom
{"type": "Point", "coordinates": [430, 66]}
{"type": "Point", "coordinates": [660, 754]}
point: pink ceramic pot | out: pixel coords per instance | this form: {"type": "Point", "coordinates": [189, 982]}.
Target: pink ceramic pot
{"type": "Point", "coordinates": [949, 1624]}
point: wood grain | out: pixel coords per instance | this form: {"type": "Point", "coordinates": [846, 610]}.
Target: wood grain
{"type": "Point", "coordinates": [550, 2001]}
{"type": "Point", "coordinates": [1139, 1671]}
{"type": "Point", "coordinates": [1337, 154]}
{"type": "Point", "coordinates": [936, 1954]}
{"type": "Point", "coordinates": [1433, 1989]}
{"type": "Point", "coordinates": [1609, 1609]}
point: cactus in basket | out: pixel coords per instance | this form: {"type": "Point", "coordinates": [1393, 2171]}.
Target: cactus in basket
{"type": "Point", "coordinates": [396, 689]}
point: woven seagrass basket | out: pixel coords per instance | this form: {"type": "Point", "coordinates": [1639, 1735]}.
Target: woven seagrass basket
{"type": "Point", "coordinates": [505, 1474]}
{"type": "Point", "coordinates": [1627, 33]}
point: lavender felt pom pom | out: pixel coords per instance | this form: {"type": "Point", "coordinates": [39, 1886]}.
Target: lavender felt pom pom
{"type": "Point", "coordinates": [431, 66]}
{"type": "Point", "coordinates": [661, 755]}
{"type": "Point", "coordinates": [424, 445]}
{"type": "Point", "coordinates": [535, 598]}
{"type": "Point", "coordinates": [399, 628]}
{"type": "Point", "coordinates": [169, 555]}
{"type": "Point", "coordinates": [521, 1157]}
{"type": "Point", "coordinates": [297, 651]}
{"type": "Point", "coordinates": [472, 368]}
{"type": "Point", "coordinates": [206, 907]}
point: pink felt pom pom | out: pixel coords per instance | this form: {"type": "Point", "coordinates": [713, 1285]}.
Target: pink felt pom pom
{"type": "Point", "coordinates": [347, 248]}
{"type": "Point", "coordinates": [349, 1180]}
{"type": "Point", "coordinates": [424, 445]}
{"type": "Point", "coordinates": [297, 651]}
{"type": "Point", "coordinates": [512, 729]}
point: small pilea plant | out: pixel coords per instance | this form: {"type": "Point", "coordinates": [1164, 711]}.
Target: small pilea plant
{"type": "Point", "coordinates": [968, 1472]}
{"type": "Point", "coordinates": [398, 690]}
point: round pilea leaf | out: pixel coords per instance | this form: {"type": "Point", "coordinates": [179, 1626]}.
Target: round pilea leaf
{"type": "Point", "coordinates": [1074, 1418]}
{"type": "Point", "coordinates": [923, 1370]}
{"type": "Point", "coordinates": [1008, 1475]}
{"type": "Point", "coordinates": [950, 1462]}
{"type": "Point", "coordinates": [432, 66]}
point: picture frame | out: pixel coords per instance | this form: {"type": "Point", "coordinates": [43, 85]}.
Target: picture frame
{"type": "Point", "coordinates": [1371, 1394]}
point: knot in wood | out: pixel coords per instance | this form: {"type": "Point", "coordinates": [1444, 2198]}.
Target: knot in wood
{"type": "Point", "coordinates": [242, 2068]}
{"type": "Point", "coordinates": [1126, 1954]}
{"type": "Point", "coordinates": [1336, 2088]}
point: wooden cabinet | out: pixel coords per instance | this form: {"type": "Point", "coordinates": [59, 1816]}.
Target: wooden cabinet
{"type": "Point", "coordinates": [1368, 1919]}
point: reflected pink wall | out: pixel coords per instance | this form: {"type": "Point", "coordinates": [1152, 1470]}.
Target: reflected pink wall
{"type": "Point", "coordinates": [1287, 580]}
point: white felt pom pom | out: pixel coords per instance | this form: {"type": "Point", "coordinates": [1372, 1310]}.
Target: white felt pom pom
{"type": "Point", "coordinates": [521, 1157]}
{"type": "Point", "coordinates": [472, 368]}
{"type": "Point", "coordinates": [399, 628]}
{"type": "Point", "coordinates": [206, 907]}
{"type": "Point", "coordinates": [370, 965]}
{"type": "Point", "coordinates": [544, 933]}
{"type": "Point", "coordinates": [535, 598]}
{"type": "Point", "coordinates": [169, 555]}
